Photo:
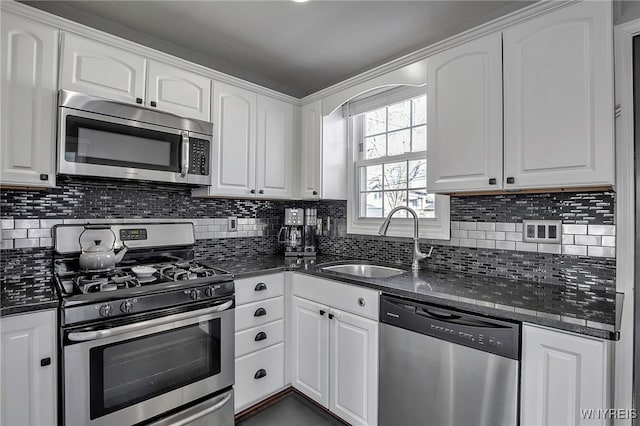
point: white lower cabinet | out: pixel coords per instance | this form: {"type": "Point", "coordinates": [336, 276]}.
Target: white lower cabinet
{"type": "Point", "coordinates": [259, 340]}
{"type": "Point", "coordinates": [563, 374]}
{"type": "Point", "coordinates": [28, 369]}
{"type": "Point", "coordinates": [334, 353]}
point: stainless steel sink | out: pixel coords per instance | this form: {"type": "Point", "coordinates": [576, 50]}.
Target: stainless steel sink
{"type": "Point", "coordinates": [364, 270]}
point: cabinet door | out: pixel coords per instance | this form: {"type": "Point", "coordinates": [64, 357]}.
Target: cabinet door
{"type": "Point", "coordinates": [562, 373]}
{"type": "Point", "coordinates": [29, 76]}
{"type": "Point", "coordinates": [354, 368]}
{"type": "Point", "coordinates": [464, 123]}
{"type": "Point", "coordinates": [558, 99]}
{"type": "Point", "coordinates": [178, 91]}
{"type": "Point", "coordinates": [234, 148]}
{"type": "Point", "coordinates": [311, 151]}
{"type": "Point", "coordinates": [274, 161]}
{"type": "Point", "coordinates": [28, 388]}
{"type": "Point", "coordinates": [310, 349]}
{"type": "Point", "coordinates": [97, 69]}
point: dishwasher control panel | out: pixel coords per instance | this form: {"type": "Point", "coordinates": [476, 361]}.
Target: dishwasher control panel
{"type": "Point", "coordinates": [479, 332]}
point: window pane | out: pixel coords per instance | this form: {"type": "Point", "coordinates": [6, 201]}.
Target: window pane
{"type": "Point", "coordinates": [419, 110]}
{"type": "Point", "coordinates": [395, 175]}
{"type": "Point", "coordinates": [417, 173]}
{"type": "Point", "coordinates": [371, 178]}
{"type": "Point", "coordinates": [399, 142]}
{"type": "Point", "coordinates": [422, 203]}
{"type": "Point", "coordinates": [400, 115]}
{"type": "Point", "coordinates": [375, 122]}
{"type": "Point", "coordinates": [374, 146]}
{"type": "Point", "coordinates": [371, 204]}
{"type": "Point", "coordinates": [419, 141]}
{"type": "Point", "coordinates": [394, 199]}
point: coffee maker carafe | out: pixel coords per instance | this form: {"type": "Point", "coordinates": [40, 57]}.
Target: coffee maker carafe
{"type": "Point", "coordinates": [298, 233]}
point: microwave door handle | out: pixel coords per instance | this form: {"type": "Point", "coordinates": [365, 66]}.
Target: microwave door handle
{"type": "Point", "coordinates": [83, 336]}
{"type": "Point", "coordinates": [185, 154]}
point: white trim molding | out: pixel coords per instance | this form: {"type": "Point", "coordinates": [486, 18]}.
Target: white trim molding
{"type": "Point", "coordinates": [625, 213]}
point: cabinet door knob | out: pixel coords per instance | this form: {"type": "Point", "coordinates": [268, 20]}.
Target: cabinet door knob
{"type": "Point", "coordinates": [260, 374]}
{"type": "Point", "coordinates": [261, 336]}
{"type": "Point", "coordinates": [260, 312]}
{"type": "Point", "coordinates": [361, 301]}
{"type": "Point", "coordinates": [330, 316]}
{"type": "Point", "coordinates": [260, 287]}
{"type": "Point", "coordinates": [261, 191]}
{"type": "Point", "coordinates": [138, 100]}
{"type": "Point", "coordinates": [511, 179]}
{"type": "Point", "coordinates": [492, 181]}
{"type": "Point", "coordinates": [154, 104]}
{"type": "Point", "coordinates": [322, 312]}
{"type": "Point", "coordinates": [44, 176]}
{"type": "Point", "coordinates": [45, 361]}
{"type": "Point", "coordinates": [253, 191]}
{"type": "Point", "coordinates": [315, 193]}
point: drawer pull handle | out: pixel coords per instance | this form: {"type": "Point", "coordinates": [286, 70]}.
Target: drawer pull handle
{"type": "Point", "coordinates": [260, 374]}
{"type": "Point", "coordinates": [260, 287]}
{"type": "Point", "coordinates": [261, 336]}
{"type": "Point", "coordinates": [260, 312]}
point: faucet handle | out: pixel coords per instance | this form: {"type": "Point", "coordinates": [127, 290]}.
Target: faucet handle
{"type": "Point", "coordinates": [430, 251]}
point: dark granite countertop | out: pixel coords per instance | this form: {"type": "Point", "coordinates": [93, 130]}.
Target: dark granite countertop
{"type": "Point", "coordinates": [589, 311]}
{"type": "Point", "coordinates": [25, 294]}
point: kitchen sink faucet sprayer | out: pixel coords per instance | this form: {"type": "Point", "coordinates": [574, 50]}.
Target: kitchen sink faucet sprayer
{"type": "Point", "coordinates": [417, 254]}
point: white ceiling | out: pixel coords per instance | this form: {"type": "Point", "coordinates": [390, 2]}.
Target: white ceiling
{"type": "Point", "coordinates": [295, 48]}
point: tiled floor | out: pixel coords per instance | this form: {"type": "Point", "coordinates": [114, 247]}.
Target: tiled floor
{"type": "Point", "coordinates": [292, 410]}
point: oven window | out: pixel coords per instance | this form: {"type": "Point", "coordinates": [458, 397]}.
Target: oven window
{"type": "Point", "coordinates": [109, 144]}
{"type": "Point", "coordinates": [131, 371]}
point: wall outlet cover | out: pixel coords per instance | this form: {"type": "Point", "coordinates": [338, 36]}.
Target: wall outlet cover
{"type": "Point", "coordinates": [542, 231]}
{"type": "Point", "coordinates": [232, 225]}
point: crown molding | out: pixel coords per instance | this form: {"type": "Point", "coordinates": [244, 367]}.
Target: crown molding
{"type": "Point", "coordinates": [69, 26]}
{"type": "Point", "coordinates": [498, 24]}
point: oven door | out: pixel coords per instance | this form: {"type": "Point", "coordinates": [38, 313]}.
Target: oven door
{"type": "Point", "coordinates": [130, 373]}
{"type": "Point", "coordinates": [93, 144]}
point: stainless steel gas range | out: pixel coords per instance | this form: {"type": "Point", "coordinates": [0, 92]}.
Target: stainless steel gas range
{"type": "Point", "coordinates": [147, 341]}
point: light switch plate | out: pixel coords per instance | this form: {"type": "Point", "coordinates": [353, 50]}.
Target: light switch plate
{"type": "Point", "coordinates": [232, 224]}
{"type": "Point", "coordinates": [542, 231]}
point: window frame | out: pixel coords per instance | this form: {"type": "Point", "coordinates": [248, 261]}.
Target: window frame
{"type": "Point", "coordinates": [437, 227]}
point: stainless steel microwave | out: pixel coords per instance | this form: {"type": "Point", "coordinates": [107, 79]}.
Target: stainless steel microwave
{"type": "Point", "coordinates": [99, 137]}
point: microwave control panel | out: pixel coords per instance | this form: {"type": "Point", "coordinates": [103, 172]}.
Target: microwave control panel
{"type": "Point", "coordinates": [198, 157]}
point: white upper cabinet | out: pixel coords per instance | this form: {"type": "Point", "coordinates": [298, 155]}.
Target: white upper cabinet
{"type": "Point", "coordinates": [558, 99]}
{"type": "Point", "coordinates": [274, 160]}
{"type": "Point", "coordinates": [252, 154]}
{"type": "Point", "coordinates": [178, 91]}
{"type": "Point", "coordinates": [311, 151]}
{"type": "Point", "coordinates": [464, 123]}
{"type": "Point", "coordinates": [98, 69]}
{"type": "Point", "coordinates": [101, 70]}
{"type": "Point", "coordinates": [562, 374]}
{"type": "Point", "coordinates": [234, 155]}
{"type": "Point", "coordinates": [28, 116]}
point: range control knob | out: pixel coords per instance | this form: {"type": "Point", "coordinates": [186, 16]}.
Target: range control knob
{"type": "Point", "coordinates": [126, 306]}
{"type": "Point", "coordinates": [210, 292]}
{"type": "Point", "coordinates": [105, 310]}
{"type": "Point", "coordinates": [194, 294]}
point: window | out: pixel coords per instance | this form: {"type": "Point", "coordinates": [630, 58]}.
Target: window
{"type": "Point", "coordinates": [389, 156]}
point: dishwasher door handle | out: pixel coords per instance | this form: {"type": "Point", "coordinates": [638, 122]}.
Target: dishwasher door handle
{"type": "Point", "coordinates": [437, 315]}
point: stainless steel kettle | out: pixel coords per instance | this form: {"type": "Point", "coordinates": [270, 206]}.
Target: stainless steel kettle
{"type": "Point", "coordinates": [98, 257]}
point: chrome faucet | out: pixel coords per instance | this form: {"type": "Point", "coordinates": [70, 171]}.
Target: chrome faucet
{"type": "Point", "coordinates": [417, 254]}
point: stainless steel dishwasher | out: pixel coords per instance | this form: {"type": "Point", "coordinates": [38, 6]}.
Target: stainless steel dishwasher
{"type": "Point", "coordinates": [441, 367]}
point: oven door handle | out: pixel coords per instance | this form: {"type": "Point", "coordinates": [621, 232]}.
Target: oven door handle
{"type": "Point", "coordinates": [83, 336]}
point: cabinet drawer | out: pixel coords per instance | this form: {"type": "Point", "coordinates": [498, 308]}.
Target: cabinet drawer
{"type": "Point", "coordinates": [259, 288]}
{"type": "Point", "coordinates": [250, 387]}
{"type": "Point", "coordinates": [257, 338]}
{"type": "Point", "coordinates": [258, 313]}
{"type": "Point", "coordinates": [354, 299]}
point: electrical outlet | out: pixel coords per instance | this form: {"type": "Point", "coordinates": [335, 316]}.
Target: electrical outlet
{"type": "Point", "coordinates": [232, 225]}
{"type": "Point", "coordinates": [542, 231]}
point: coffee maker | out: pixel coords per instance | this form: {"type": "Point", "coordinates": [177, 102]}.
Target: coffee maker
{"type": "Point", "coordinates": [299, 232]}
